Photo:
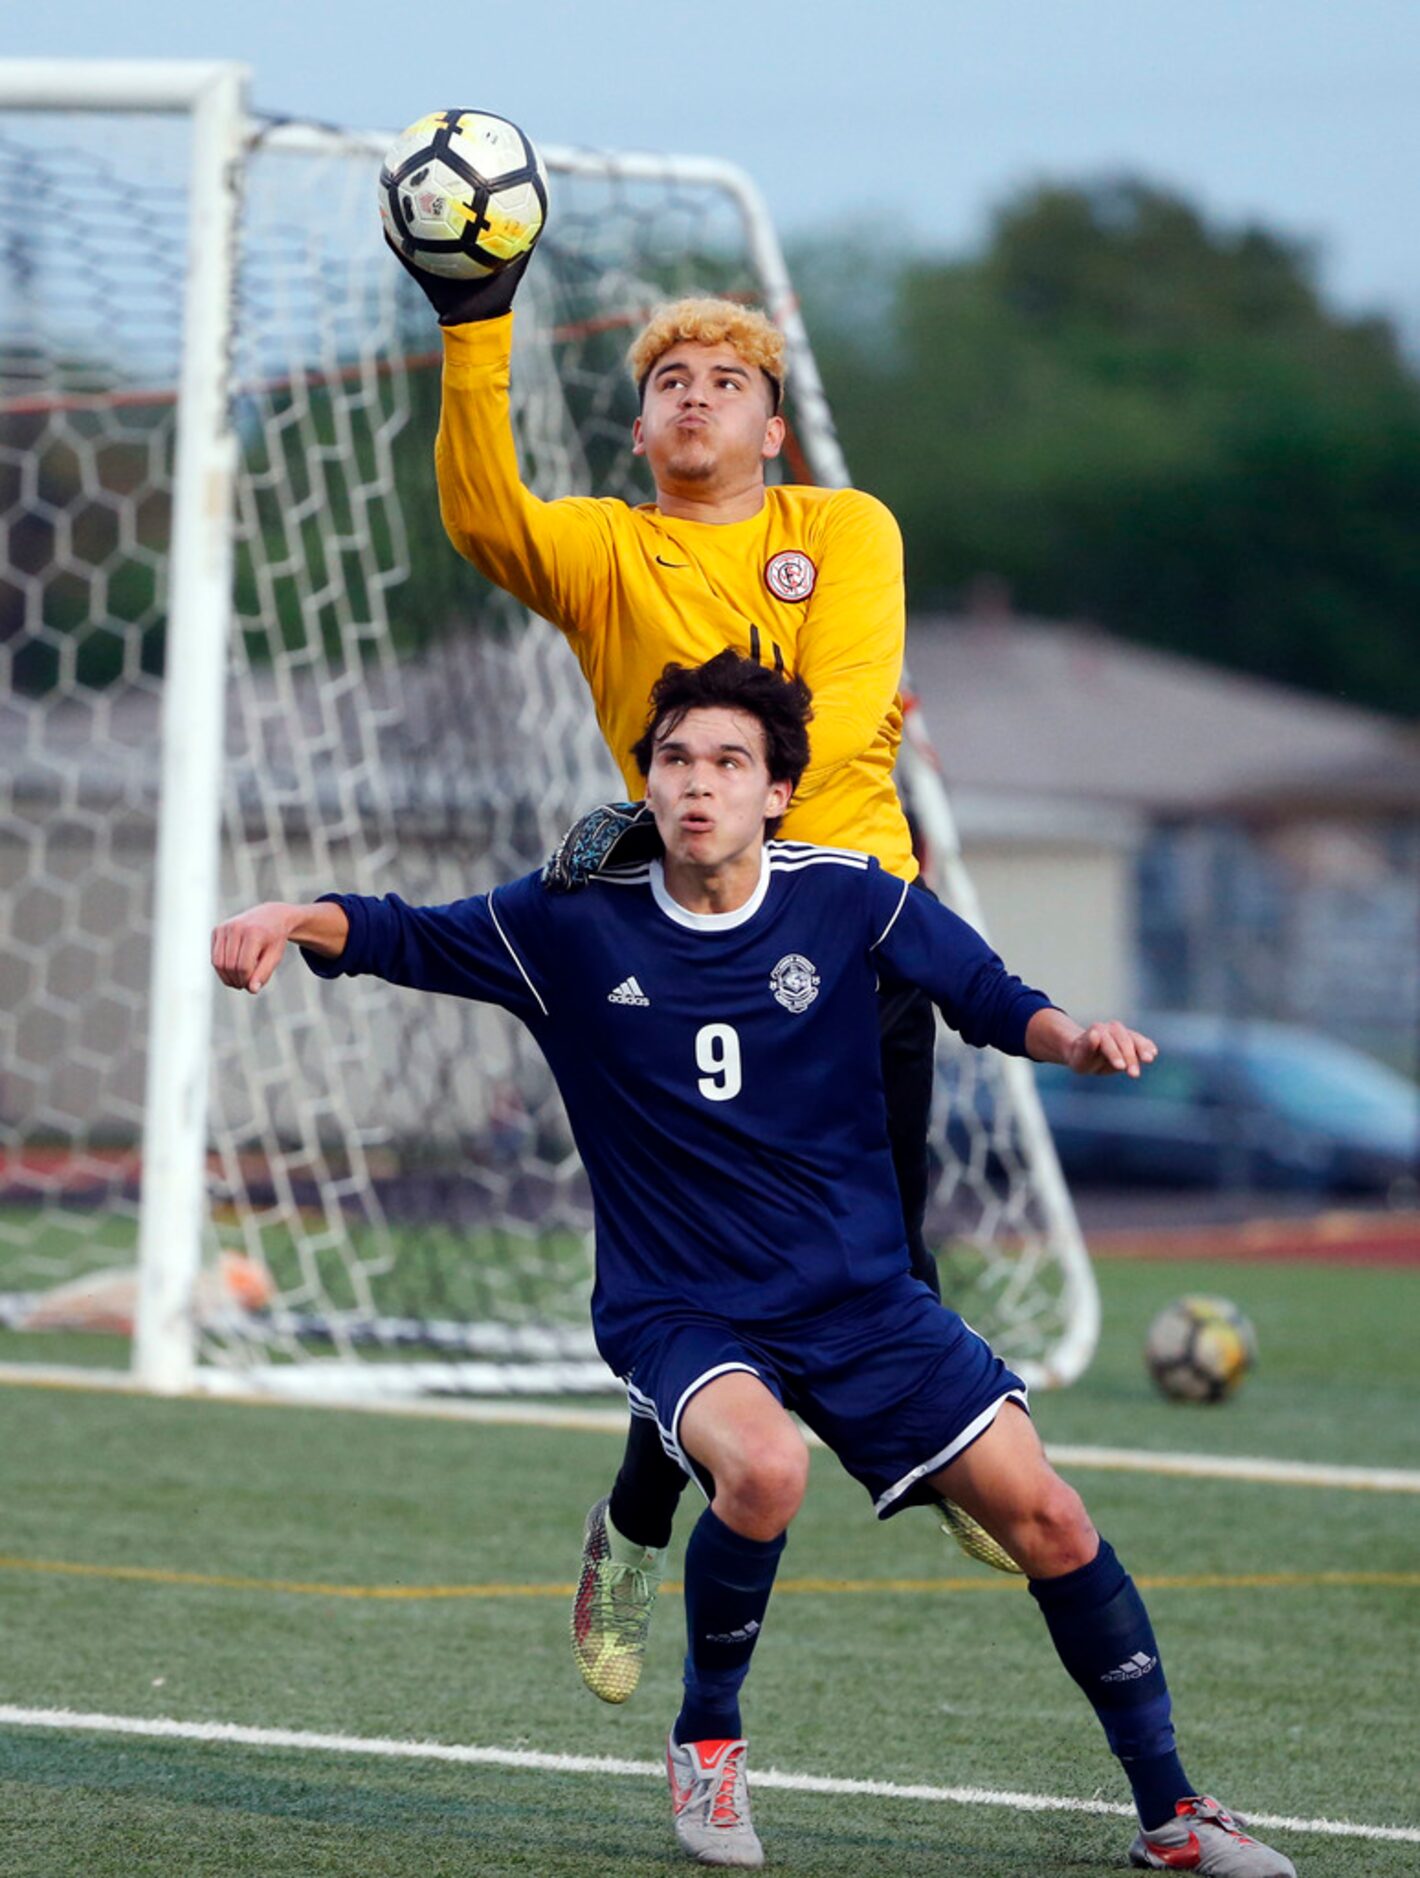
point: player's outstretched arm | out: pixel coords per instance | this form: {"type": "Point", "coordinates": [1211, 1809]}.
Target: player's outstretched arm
{"type": "Point", "coordinates": [247, 948]}
{"type": "Point", "coordinates": [931, 946]}
{"type": "Point", "coordinates": [1108, 1049]}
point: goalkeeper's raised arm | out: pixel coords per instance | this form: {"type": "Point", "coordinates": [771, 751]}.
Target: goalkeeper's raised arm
{"type": "Point", "coordinates": [553, 556]}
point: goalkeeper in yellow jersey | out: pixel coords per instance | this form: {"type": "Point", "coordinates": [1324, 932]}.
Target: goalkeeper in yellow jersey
{"type": "Point", "coordinates": [806, 580]}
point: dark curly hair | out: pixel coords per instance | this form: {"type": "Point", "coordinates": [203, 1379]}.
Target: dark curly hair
{"type": "Point", "coordinates": [783, 707]}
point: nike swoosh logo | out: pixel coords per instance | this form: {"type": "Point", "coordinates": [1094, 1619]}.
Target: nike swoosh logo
{"type": "Point", "coordinates": [661, 563]}
{"type": "Point", "coordinates": [1179, 1857]}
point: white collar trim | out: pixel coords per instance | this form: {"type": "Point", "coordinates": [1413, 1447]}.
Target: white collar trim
{"type": "Point", "coordinates": [709, 922]}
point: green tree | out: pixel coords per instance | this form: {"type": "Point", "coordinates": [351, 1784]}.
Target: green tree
{"type": "Point", "coordinates": [1134, 415]}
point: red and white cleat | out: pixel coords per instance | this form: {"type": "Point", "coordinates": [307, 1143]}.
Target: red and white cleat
{"type": "Point", "coordinates": [710, 1803]}
{"type": "Point", "coordinates": [1205, 1837]}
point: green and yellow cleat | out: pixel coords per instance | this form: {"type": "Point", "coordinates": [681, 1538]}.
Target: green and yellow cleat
{"type": "Point", "coordinates": [611, 1613]}
{"type": "Point", "coordinates": [974, 1539]}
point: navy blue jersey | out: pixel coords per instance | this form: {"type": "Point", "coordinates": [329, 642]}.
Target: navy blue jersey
{"type": "Point", "coordinates": [720, 1071]}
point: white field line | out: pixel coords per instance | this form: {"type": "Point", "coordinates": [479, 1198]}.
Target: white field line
{"type": "Point", "coordinates": [235, 1734]}
{"type": "Point", "coordinates": [1238, 1467]}
{"type": "Point", "coordinates": [1259, 1468]}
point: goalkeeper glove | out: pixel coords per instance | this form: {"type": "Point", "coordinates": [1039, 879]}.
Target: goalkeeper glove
{"type": "Point", "coordinates": [616, 832]}
{"type": "Point", "coordinates": [458, 302]}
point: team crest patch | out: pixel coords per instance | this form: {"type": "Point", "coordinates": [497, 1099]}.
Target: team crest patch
{"type": "Point", "coordinates": [794, 982]}
{"type": "Point", "coordinates": [790, 575]}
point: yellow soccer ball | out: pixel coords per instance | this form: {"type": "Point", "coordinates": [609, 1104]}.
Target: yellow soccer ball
{"type": "Point", "coordinates": [1199, 1349]}
{"type": "Point", "coordinates": [462, 193]}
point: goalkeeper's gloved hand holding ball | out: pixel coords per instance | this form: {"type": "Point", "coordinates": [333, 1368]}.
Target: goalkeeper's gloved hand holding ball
{"type": "Point", "coordinates": [608, 836]}
{"type": "Point", "coordinates": [459, 302]}
{"type": "Point", "coordinates": [463, 200]}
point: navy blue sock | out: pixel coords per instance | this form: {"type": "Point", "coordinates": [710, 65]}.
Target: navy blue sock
{"type": "Point", "coordinates": [1102, 1632]}
{"type": "Point", "coordinates": [648, 1487]}
{"type": "Point", "coordinates": [727, 1585]}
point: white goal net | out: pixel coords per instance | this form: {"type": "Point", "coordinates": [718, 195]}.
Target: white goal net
{"type": "Point", "coordinates": [384, 1193]}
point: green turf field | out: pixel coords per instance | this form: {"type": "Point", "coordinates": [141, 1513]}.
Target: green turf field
{"type": "Point", "coordinates": [217, 1541]}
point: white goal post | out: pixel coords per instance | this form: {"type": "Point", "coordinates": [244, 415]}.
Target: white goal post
{"type": "Point", "coordinates": [239, 661]}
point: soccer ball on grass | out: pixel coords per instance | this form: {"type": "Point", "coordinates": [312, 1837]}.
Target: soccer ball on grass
{"type": "Point", "coordinates": [1199, 1349]}
{"type": "Point", "coordinates": [462, 193]}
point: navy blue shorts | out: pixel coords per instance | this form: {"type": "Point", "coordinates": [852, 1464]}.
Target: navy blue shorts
{"type": "Point", "coordinates": [895, 1384]}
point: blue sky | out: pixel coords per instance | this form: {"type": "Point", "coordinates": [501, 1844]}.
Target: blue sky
{"type": "Point", "coordinates": [898, 121]}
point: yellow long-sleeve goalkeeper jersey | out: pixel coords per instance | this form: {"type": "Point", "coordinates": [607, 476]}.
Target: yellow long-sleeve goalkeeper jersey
{"type": "Point", "coordinates": [812, 584]}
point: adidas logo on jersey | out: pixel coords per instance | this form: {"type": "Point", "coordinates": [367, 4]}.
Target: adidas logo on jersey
{"type": "Point", "coordinates": [627, 992]}
{"type": "Point", "coordinates": [1132, 1668]}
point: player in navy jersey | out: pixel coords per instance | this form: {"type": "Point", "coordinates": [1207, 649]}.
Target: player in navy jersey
{"type": "Point", "coordinates": [710, 1019]}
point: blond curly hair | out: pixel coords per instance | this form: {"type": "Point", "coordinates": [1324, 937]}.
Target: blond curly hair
{"type": "Point", "coordinates": [708, 322]}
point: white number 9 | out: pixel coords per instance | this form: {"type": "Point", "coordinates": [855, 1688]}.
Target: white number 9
{"type": "Point", "coordinates": [717, 1052]}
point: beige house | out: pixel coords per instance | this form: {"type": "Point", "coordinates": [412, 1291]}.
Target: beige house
{"type": "Point", "coordinates": [1063, 747]}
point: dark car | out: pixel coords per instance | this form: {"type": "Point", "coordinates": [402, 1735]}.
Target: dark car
{"type": "Point", "coordinates": [1239, 1103]}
